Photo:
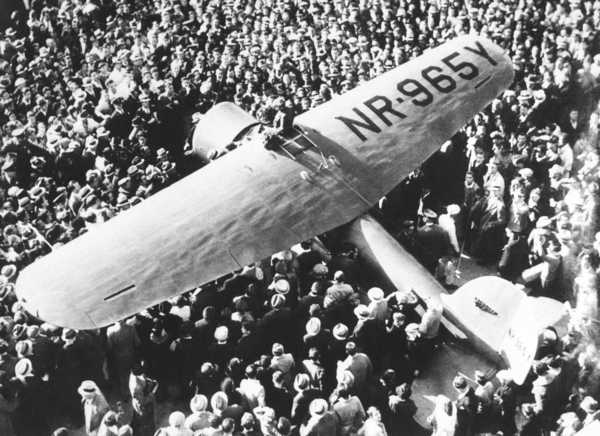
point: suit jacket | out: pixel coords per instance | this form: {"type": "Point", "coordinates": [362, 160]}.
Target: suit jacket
{"type": "Point", "coordinates": [432, 243]}
{"type": "Point", "coordinates": [466, 406]}
{"type": "Point", "coordinates": [326, 425]}
{"type": "Point", "coordinates": [515, 258]}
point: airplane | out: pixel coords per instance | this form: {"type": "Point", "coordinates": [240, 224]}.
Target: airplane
{"type": "Point", "coordinates": [495, 316]}
{"type": "Point", "coordinates": [276, 189]}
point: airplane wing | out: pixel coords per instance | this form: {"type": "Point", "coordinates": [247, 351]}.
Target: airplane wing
{"type": "Point", "coordinates": [340, 159]}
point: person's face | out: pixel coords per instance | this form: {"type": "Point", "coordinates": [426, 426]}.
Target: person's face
{"type": "Point", "coordinates": [573, 115]}
{"type": "Point", "coordinates": [534, 196]}
{"type": "Point", "coordinates": [479, 157]}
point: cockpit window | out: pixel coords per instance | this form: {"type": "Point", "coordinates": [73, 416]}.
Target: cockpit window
{"type": "Point", "coordinates": [295, 142]}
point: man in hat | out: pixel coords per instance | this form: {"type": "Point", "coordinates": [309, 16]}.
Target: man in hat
{"type": "Point", "coordinates": [119, 122]}
{"type": "Point", "coordinates": [304, 303]}
{"type": "Point", "coordinates": [220, 351]}
{"type": "Point", "coordinates": [378, 307]}
{"type": "Point", "coordinates": [200, 417]}
{"type": "Point", "coordinates": [31, 414]}
{"type": "Point", "coordinates": [142, 390]}
{"type": "Point", "coordinates": [305, 393]}
{"type": "Point", "coordinates": [94, 406]}
{"type": "Point", "coordinates": [339, 298]}
{"type": "Point", "coordinates": [515, 256]}
{"type": "Point", "coordinates": [431, 241]}
{"type": "Point", "coordinates": [493, 177]}
{"type": "Point", "coordinates": [466, 405]}
{"type": "Point", "coordinates": [275, 325]}
{"type": "Point", "coordinates": [122, 342]}
{"type": "Point", "coordinates": [369, 334]}
{"type": "Point", "coordinates": [487, 219]}
{"type": "Point", "coordinates": [484, 391]}
{"type": "Point", "coordinates": [448, 223]}
{"type": "Point", "coordinates": [591, 408]}
{"type": "Point", "coordinates": [572, 125]}
{"type": "Point", "coordinates": [251, 388]}
{"type": "Point", "coordinates": [70, 369]}
{"type": "Point", "coordinates": [177, 425]}
{"type": "Point", "coordinates": [505, 400]}
{"type": "Point", "coordinates": [359, 365]}
{"type": "Point", "coordinates": [321, 421]}
{"type": "Point", "coordinates": [283, 362]}
{"type": "Point", "coordinates": [340, 336]}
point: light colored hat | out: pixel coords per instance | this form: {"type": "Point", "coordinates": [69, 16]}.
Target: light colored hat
{"type": "Point", "coordinates": [361, 311]}
{"type": "Point", "coordinates": [589, 405]}
{"type": "Point", "coordinates": [221, 333]}
{"type": "Point", "coordinates": [8, 271]}
{"type": "Point", "coordinates": [277, 349]}
{"type": "Point", "coordinates": [459, 382]}
{"type": "Point", "coordinates": [430, 214]}
{"type": "Point", "coordinates": [23, 348]}
{"type": "Point", "coordinates": [282, 286]}
{"type": "Point", "coordinates": [277, 300]}
{"type": "Point", "coordinates": [453, 209]}
{"type": "Point", "coordinates": [375, 294]}
{"type": "Point", "coordinates": [320, 269]}
{"type": "Point", "coordinates": [543, 222]}
{"type": "Point", "coordinates": [313, 326]}
{"type": "Point", "coordinates": [88, 387]}
{"type": "Point", "coordinates": [318, 406]}
{"type": "Point", "coordinates": [198, 403]}
{"type": "Point", "coordinates": [176, 419]}
{"type": "Point", "coordinates": [301, 382]}
{"type": "Point", "coordinates": [219, 401]}
{"type": "Point", "coordinates": [24, 368]}
{"type": "Point", "coordinates": [524, 95]}
{"type": "Point", "coordinates": [412, 331]}
{"type": "Point", "coordinates": [340, 332]}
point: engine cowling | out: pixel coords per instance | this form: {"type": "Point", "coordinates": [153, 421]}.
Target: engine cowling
{"type": "Point", "coordinates": [220, 126]}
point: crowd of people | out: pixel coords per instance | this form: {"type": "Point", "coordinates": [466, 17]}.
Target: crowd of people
{"type": "Point", "coordinates": [97, 102]}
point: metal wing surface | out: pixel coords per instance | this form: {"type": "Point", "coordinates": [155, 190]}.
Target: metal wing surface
{"type": "Point", "coordinates": [253, 202]}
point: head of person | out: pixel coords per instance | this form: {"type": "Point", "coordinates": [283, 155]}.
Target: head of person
{"type": "Point", "coordinates": [176, 419]}
{"type": "Point", "coordinates": [284, 426]}
{"type": "Point", "coordinates": [301, 382]}
{"type": "Point", "coordinates": [404, 391]}
{"type": "Point", "coordinates": [198, 403]}
{"type": "Point", "coordinates": [460, 383]}
{"type": "Point", "coordinates": [277, 350]}
{"type": "Point", "coordinates": [219, 402]}
{"type": "Point", "coordinates": [351, 348]}
{"type": "Point", "coordinates": [374, 414]}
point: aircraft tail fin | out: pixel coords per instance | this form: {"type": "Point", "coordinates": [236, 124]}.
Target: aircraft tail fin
{"type": "Point", "coordinates": [504, 319]}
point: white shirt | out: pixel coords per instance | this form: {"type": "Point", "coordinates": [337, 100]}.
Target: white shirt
{"type": "Point", "coordinates": [565, 153]}
{"type": "Point", "coordinates": [447, 223]}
